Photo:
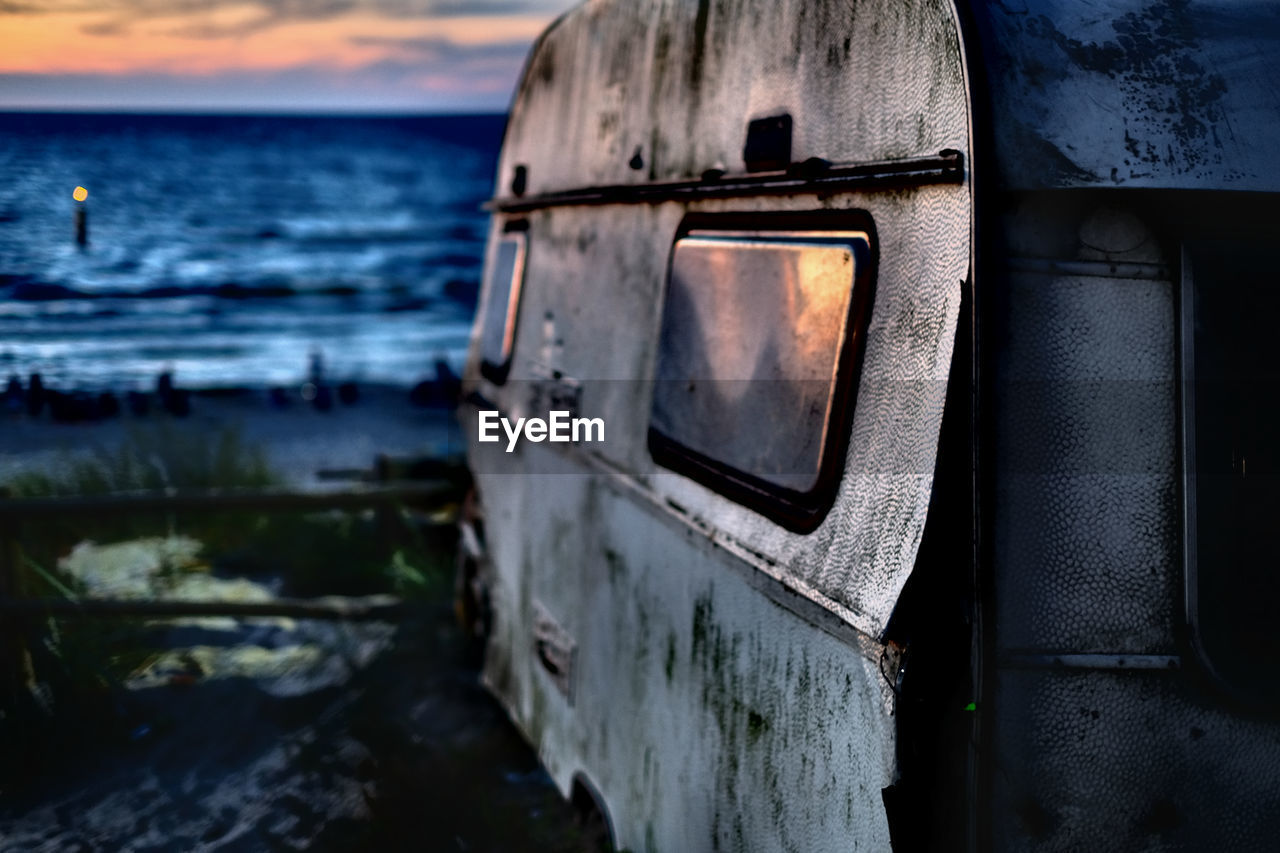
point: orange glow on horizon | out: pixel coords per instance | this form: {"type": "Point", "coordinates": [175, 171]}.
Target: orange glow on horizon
{"type": "Point", "coordinates": [56, 43]}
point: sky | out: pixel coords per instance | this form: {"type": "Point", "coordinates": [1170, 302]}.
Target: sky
{"type": "Point", "coordinates": [314, 56]}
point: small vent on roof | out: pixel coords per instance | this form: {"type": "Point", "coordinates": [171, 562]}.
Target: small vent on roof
{"type": "Point", "coordinates": [768, 145]}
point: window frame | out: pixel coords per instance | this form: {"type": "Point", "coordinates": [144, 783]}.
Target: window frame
{"type": "Point", "coordinates": [497, 372]}
{"type": "Point", "coordinates": [800, 512]}
{"type": "Point", "coordinates": [1250, 693]}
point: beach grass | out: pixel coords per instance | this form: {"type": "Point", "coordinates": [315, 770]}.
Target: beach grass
{"type": "Point", "coordinates": [344, 553]}
{"type": "Point", "coordinates": [151, 459]}
{"type": "Point", "coordinates": [161, 456]}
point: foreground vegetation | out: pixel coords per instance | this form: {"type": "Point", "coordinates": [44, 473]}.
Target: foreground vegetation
{"type": "Point", "coordinates": [71, 670]}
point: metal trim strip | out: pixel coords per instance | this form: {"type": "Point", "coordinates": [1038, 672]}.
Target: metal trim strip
{"type": "Point", "coordinates": [946, 167]}
{"type": "Point", "coordinates": [1041, 660]}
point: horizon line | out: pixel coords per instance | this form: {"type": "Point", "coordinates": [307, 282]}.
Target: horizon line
{"type": "Point", "coordinates": [265, 112]}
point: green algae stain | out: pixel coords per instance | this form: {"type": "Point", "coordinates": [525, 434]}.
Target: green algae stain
{"type": "Point", "coordinates": [701, 625]}
{"type": "Point", "coordinates": [615, 565]}
{"type": "Point", "coordinates": [757, 725]}
{"type": "Point", "coordinates": [669, 667]}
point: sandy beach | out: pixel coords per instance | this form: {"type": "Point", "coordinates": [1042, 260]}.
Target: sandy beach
{"type": "Point", "coordinates": [385, 741]}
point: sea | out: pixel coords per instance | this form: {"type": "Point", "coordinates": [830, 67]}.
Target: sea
{"type": "Point", "coordinates": [240, 251]}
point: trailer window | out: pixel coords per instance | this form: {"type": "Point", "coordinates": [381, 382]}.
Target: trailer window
{"type": "Point", "coordinates": [761, 337]}
{"type": "Point", "coordinates": [1232, 462]}
{"type": "Point", "coordinates": [498, 330]}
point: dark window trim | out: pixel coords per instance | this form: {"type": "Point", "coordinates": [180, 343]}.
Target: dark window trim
{"type": "Point", "coordinates": [1187, 428]}
{"type": "Point", "coordinates": [497, 373]}
{"type": "Point", "coordinates": [1191, 639]}
{"type": "Point", "coordinates": [800, 512]}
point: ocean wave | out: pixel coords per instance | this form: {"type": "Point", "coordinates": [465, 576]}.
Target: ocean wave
{"type": "Point", "coordinates": [246, 242]}
{"type": "Point", "coordinates": [32, 290]}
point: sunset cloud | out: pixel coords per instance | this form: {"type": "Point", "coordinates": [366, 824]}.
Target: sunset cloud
{"type": "Point", "coordinates": [266, 54]}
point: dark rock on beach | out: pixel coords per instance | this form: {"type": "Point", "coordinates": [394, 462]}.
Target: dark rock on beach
{"type": "Point", "coordinates": [35, 395]}
{"type": "Point", "coordinates": [441, 392]}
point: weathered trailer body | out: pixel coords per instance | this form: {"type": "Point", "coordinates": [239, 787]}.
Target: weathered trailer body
{"type": "Point", "coordinates": [923, 339]}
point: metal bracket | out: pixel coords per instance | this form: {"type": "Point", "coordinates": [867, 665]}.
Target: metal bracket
{"type": "Point", "coordinates": [555, 650]}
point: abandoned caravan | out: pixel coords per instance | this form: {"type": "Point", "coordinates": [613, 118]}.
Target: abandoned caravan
{"type": "Point", "coordinates": [931, 345]}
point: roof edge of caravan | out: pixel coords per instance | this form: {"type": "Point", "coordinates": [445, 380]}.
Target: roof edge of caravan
{"type": "Point", "coordinates": [1154, 94]}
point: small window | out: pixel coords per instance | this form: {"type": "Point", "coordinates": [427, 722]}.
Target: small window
{"type": "Point", "coordinates": [758, 358]}
{"type": "Point", "coordinates": [498, 332]}
{"type": "Point", "coordinates": [1231, 421]}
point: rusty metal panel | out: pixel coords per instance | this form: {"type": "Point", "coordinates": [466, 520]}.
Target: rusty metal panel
{"type": "Point", "coordinates": [1133, 93]}
{"type": "Point", "coordinates": [726, 677]}
{"type": "Point", "coordinates": [592, 310]}
{"type": "Point", "coordinates": [654, 90]}
{"type": "Point", "coordinates": [706, 715]}
{"type": "Point", "coordinates": [1107, 760]}
{"type": "Point", "coordinates": [1086, 481]}
{"type": "Point", "coordinates": [1108, 732]}
{"type": "Point", "coordinates": [681, 82]}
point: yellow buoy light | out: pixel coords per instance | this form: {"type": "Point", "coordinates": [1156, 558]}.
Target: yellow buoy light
{"type": "Point", "coordinates": [80, 194]}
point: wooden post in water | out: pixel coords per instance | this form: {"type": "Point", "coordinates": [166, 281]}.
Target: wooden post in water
{"type": "Point", "coordinates": [81, 217]}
